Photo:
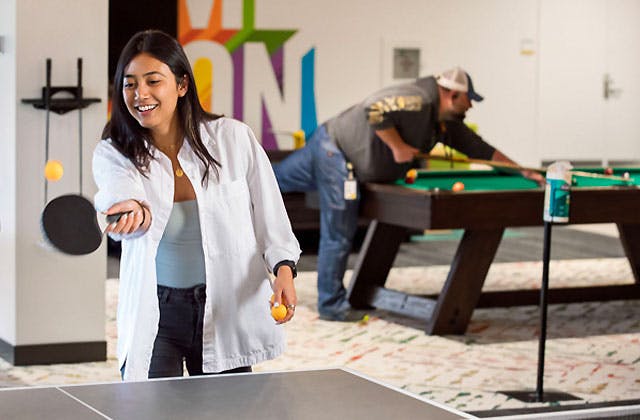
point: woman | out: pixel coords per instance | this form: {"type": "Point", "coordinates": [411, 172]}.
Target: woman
{"type": "Point", "coordinates": [203, 223]}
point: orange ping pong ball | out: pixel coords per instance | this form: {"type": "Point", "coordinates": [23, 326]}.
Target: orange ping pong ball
{"type": "Point", "coordinates": [458, 186]}
{"type": "Point", "coordinates": [53, 170]}
{"type": "Point", "coordinates": [279, 312]}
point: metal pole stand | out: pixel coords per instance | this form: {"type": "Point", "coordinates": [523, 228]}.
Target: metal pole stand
{"type": "Point", "coordinates": [539, 395]}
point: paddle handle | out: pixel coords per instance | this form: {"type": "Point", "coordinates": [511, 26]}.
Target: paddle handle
{"type": "Point", "coordinates": [115, 217]}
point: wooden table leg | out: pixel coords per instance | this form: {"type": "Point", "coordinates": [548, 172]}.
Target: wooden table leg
{"type": "Point", "coordinates": [630, 238]}
{"type": "Point", "coordinates": [375, 259]}
{"type": "Point", "coordinates": [463, 287]}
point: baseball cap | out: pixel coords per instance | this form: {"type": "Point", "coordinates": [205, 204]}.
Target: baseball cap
{"type": "Point", "coordinates": [459, 80]}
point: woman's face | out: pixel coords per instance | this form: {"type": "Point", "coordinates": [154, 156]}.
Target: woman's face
{"type": "Point", "coordinates": [151, 93]}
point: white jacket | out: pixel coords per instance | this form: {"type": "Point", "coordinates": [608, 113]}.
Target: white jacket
{"type": "Point", "coordinates": [245, 232]}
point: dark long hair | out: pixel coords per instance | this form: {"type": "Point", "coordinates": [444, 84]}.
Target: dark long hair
{"type": "Point", "coordinates": [127, 135]}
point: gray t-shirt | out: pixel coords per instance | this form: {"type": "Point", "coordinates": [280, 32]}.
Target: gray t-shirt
{"type": "Point", "coordinates": [180, 259]}
{"type": "Point", "coordinates": [412, 109]}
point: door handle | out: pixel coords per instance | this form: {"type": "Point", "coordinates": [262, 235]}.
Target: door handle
{"type": "Point", "coordinates": [608, 90]}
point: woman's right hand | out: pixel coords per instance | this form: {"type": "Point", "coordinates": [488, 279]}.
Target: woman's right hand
{"type": "Point", "coordinates": [135, 217]}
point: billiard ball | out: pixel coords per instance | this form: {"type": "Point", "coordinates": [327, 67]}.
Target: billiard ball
{"type": "Point", "coordinates": [411, 176]}
{"type": "Point", "coordinates": [626, 175]}
{"type": "Point", "coordinates": [458, 186]}
{"type": "Point", "coordinates": [608, 171]}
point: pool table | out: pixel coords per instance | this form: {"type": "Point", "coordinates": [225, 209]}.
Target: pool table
{"type": "Point", "coordinates": [491, 202]}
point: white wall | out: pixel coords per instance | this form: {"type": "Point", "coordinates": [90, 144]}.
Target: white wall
{"type": "Point", "coordinates": [52, 298]}
{"type": "Point", "coordinates": [538, 63]}
{"type": "Point", "coordinates": [354, 42]}
{"type": "Point", "coordinates": [7, 171]}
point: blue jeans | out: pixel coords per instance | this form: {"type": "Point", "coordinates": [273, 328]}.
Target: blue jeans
{"type": "Point", "coordinates": [180, 334]}
{"type": "Point", "coordinates": [321, 166]}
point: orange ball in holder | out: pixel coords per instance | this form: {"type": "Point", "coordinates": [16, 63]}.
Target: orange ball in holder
{"type": "Point", "coordinates": [53, 170]}
{"type": "Point", "coordinates": [458, 186]}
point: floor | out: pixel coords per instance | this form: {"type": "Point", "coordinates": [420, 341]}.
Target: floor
{"type": "Point", "coordinates": [519, 244]}
{"type": "Point", "coordinates": [592, 352]}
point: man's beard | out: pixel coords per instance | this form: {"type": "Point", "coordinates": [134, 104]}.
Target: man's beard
{"type": "Point", "coordinates": [455, 116]}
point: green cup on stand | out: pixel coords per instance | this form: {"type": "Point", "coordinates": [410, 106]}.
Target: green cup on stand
{"type": "Point", "coordinates": [557, 194]}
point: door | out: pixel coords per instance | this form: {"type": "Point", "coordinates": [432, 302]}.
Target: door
{"type": "Point", "coordinates": [622, 82]}
{"type": "Point", "coordinates": [588, 78]}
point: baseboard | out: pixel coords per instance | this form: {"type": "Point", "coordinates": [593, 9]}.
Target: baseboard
{"type": "Point", "coordinates": [47, 354]}
{"type": "Point", "coordinates": [627, 409]}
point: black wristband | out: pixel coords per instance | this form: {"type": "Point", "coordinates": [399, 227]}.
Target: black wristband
{"type": "Point", "coordinates": [288, 263]}
{"type": "Point", "coordinates": [143, 212]}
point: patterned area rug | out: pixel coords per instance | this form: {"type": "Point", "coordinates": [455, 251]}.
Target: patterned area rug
{"type": "Point", "coordinates": [593, 349]}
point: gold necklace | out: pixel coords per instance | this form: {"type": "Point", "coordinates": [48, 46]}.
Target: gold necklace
{"type": "Point", "coordinates": [178, 170]}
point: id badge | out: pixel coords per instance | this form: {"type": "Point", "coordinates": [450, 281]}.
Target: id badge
{"type": "Point", "coordinates": [350, 189]}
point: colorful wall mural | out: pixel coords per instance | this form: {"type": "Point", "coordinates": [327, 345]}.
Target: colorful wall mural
{"type": "Point", "coordinates": [219, 57]}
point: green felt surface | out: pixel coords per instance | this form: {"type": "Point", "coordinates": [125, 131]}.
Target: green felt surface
{"type": "Point", "coordinates": [495, 180]}
{"type": "Point", "coordinates": [584, 181]}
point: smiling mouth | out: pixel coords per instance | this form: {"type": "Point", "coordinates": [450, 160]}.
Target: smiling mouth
{"type": "Point", "coordinates": [145, 108]}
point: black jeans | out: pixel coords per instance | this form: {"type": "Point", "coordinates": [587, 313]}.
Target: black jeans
{"type": "Point", "coordinates": [179, 336]}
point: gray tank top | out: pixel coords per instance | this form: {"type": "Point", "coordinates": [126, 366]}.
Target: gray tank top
{"type": "Point", "coordinates": [180, 260]}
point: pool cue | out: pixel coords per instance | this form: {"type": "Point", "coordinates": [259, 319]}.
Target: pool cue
{"type": "Point", "coordinates": [593, 175]}
{"type": "Point", "coordinates": [515, 167]}
{"type": "Point", "coordinates": [492, 163]}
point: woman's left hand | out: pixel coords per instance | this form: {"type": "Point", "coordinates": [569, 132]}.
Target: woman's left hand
{"type": "Point", "coordinates": [284, 291]}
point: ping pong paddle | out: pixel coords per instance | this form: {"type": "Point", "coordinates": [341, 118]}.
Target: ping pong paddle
{"type": "Point", "coordinates": [69, 223]}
